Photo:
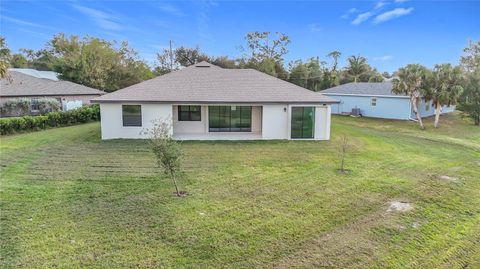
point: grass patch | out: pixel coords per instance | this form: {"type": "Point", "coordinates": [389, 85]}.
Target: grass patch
{"type": "Point", "coordinates": [68, 199]}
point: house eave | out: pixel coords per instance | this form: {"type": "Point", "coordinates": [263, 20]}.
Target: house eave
{"type": "Point", "coordinates": [365, 95]}
{"type": "Point", "coordinates": [49, 94]}
{"type": "Point", "coordinates": [214, 102]}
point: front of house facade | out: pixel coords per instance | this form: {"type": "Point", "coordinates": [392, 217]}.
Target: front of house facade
{"type": "Point", "coordinates": [205, 102]}
{"type": "Point", "coordinates": [376, 100]}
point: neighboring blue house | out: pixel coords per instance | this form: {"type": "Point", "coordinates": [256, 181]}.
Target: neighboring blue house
{"type": "Point", "coordinates": [375, 99]}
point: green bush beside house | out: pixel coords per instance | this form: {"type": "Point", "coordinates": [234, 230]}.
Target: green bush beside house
{"type": "Point", "coordinates": [49, 120]}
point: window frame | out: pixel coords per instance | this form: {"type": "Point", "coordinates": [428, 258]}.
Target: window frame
{"type": "Point", "coordinates": [34, 104]}
{"type": "Point", "coordinates": [373, 101]}
{"type": "Point", "coordinates": [295, 120]}
{"type": "Point", "coordinates": [132, 124]}
{"type": "Point", "coordinates": [189, 113]}
{"type": "Point", "coordinates": [224, 122]}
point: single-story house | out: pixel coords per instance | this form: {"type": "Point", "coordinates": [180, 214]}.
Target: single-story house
{"type": "Point", "coordinates": [206, 102]}
{"type": "Point", "coordinates": [34, 85]}
{"type": "Point", "coordinates": [375, 99]}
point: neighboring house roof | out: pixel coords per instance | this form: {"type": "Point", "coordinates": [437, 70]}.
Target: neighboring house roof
{"type": "Point", "coordinates": [29, 82]}
{"type": "Point", "coordinates": [363, 88]}
{"type": "Point", "coordinates": [36, 73]}
{"type": "Point", "coordinates": [207, 83]}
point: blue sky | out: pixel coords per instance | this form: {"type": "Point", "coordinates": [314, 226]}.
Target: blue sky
{"type": "Point", "coordinates": [389, 33]}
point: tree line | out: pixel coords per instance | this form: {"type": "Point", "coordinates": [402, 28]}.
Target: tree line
{"type": "Point", "coordinates": [110, 65]}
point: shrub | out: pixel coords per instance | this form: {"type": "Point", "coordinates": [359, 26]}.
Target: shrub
{"type": "Point", "coordinates": [49, 120]}
{"type": "Point", "coordinates": [46, 105]}
{"type": "Point", "coordinates": [16, 107]}
{"type": "Point", "coordinates": [22, 106]}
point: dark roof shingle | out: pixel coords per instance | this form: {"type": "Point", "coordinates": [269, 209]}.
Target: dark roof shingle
{"type": "Point", "coordinates": [207, 83]}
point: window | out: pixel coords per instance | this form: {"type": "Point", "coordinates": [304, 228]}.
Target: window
{"type": "Point", "coordinates": [303, 122]}
{"type": "Point", "coordinates": [373, 101]}
{"type": "Point", "coordinates": [230, 118]}
{"type": "Point", "coordinates": [132, 115]}
{"type": "Point", "coordinates": [189, 113]}
{"type": "Point", "coordinates": [34, 104]}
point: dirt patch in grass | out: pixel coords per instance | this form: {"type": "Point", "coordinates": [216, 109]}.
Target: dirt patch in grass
{"type": "Point", "coordinates": [448, 178]}
{"type": "Point", "coordinates": [399, 206]}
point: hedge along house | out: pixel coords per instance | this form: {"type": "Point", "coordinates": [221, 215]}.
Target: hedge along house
{"type": "Point", "coordinates": [375, 99]}
{"type": "Point", "coordinates": [33, 85]}
{"type": "Point", "coordinates": [206, 102]}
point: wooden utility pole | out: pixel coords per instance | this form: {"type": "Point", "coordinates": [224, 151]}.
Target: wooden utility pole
{"type": "Point", "coordinates": [171, 56]}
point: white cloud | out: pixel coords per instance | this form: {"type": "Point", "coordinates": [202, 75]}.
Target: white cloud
{"type": "Point", "coordinates": [362, 17]}
{"type": "Point", "coordinates": [383, 58]}
{"type": "Point", "coordinates": [347, 14]}
{"type": "Point", "coordinates": [22, 22]}
{"type": "Point", "coordinates": [102, 19]}
{"type": "Point", "coordinates": [314, 28]}
{"type": "Point", "coordinates": [170, 9]}
{"type": "Point", "coordinates": [400, 1]}
{"type": "Point", "coordinates": [392, 14]}
{"type": "Point", "coordinates": [380, 4]}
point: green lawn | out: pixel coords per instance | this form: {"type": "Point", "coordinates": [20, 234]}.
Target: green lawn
{"type": "Point", "coordinates": [70, 200]}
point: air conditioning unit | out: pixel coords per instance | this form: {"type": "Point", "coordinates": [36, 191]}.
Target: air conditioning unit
{"type": "Point", "coordinates": [356, 112]}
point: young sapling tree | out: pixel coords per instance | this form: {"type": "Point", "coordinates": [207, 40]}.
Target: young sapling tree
{"type": "Point", "coordinates": [167, 151]}
{"type": "Point", "coordinates": [343, 149]}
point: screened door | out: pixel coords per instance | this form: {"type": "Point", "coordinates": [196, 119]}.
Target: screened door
{"type": "Point", "coordinates": [303, 122]}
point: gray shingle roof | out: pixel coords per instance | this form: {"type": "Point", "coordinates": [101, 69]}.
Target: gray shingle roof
{"type": "Point", "coordinates": [26, 85]}
{"type": "Point", "coordinates": [207, 83]}
{"type": "Point", "coordinates": [363, 88]}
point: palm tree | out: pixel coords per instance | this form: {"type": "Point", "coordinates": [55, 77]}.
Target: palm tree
{"type": "Point", "coordinates": [411, 81]}
{"type": "Point", "coordinates": [357, 66]}
{"type": "Point", "coordinates": [335, 55]}
{"type": "Point", "coordinates": [444, 87]}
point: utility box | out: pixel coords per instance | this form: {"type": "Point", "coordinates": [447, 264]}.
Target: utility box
{"type": "Point", "coordinates": [356, 112]}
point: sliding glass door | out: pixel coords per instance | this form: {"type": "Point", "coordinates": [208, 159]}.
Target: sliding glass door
{"type": "Point", "coordinates": [303, 122]}
{"type": "Point", "coordinates": [230, 118]}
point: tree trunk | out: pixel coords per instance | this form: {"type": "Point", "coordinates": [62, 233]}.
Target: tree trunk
{"type": "Point", "coordinates": [175, 183]}
{"type": "Point", "coordinates": [415, 109]}
{"type": "Point", "coordinates": [437, 114]}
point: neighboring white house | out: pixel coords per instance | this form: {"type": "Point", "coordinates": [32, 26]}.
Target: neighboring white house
{"type": "Point", "coordinates": [375, 99]}
{"type": "Point", "coordinates": [206, 102]}
{"type": "Point", "coordinates": [33, 85]}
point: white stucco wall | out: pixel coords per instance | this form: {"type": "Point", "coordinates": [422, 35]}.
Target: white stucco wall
{"type": "Point", "coordinates": [268, 122]}
{"type": "Point", "coordinates": [112, 122]}
{"type": "Point", "coordinates": [322, 122]}
{"type": "Point", "coordinates": [275, 120]}
{"type": "Point", "coordinates": [190, 127]}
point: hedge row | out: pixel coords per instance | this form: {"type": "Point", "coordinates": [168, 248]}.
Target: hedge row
{"type": "Point", "coordinates": [49, 120]}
